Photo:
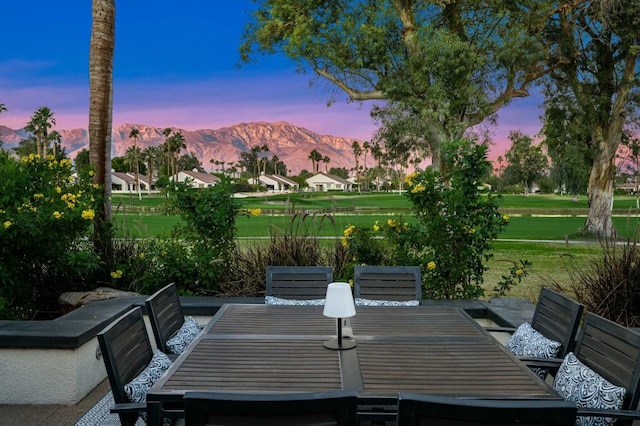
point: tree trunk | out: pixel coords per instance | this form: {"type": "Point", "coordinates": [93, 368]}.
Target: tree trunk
{"type": "Point", "coordinates": [599, 221]}
{"type": "Point", "coordinates": [100, 112]}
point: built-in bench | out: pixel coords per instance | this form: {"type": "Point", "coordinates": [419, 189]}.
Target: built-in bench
{"type": "Point", "coordinates": [58, 361]}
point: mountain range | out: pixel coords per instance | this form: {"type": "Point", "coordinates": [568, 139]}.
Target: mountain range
{"type": "Point", "coordinates": [292, 144]}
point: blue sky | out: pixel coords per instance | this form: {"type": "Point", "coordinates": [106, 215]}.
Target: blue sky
{"type": "Point", "coordinates": [175, 65]}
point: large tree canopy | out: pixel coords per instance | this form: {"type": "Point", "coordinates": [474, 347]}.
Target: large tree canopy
{"type": "Point", "coordinates": [450, 64]}
{"type": "Point", "coordinates": [596, 91]}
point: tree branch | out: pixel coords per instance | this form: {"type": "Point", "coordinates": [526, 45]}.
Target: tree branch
{"type": "Point", "coordinates": [354, 95]}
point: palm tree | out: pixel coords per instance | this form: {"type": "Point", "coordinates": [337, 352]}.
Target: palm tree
{"type": "Point", "coordinates": [101, 47]}
{"type": "Point", "coordinates": [56, 138]}
{"type": "Point", "coordinates": [135, 135]}
{"type": "Point", "coordinates": [176, 143]}
{"type": "Point", "coordinates": [326, 161]}
{"type": "Point", "coordinates": [3, 108]}
{"type": "Point", "coordinates": [357, 152]}
{"type": "Point", "coordinates": [41, 121]}
{"type": "Point", "coordinates": [151, 154]}
{"type": "Point", "coordinates": [315, 158]}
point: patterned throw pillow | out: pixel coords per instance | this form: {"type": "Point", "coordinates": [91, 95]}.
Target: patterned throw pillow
{"type": "Point", "coordinates": [578, 383]}
{"type": "Point", "coordinates": [185, 335]}
{"type": "Point", "coordinates": [272, 300]}
{"type": "Point", "coordinates": [367, 302]}
{"type": "Point", "coordinates": [527, 342]}
{"type": "Point", "coordinates": [137, 388]}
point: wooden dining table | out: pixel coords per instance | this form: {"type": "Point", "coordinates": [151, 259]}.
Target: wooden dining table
{"type": "Point", "coordinates": [424, 349]}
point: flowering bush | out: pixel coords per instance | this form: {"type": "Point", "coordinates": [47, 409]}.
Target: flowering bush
{"type": "Point", "coordinates": [45, 212]}
{"type": "Point", "coordinates": [457, 222]}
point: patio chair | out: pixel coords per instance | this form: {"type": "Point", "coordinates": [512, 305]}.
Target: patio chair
{"type": "Point", "coordinates": [556, 317]}
{"type": "Point", "coordinates": [126, 351]}
{"type": "Point", "coordinates": [613, 352]}
{"type": "Point", "coordinates": [388, 283]}
{"type": "Point", "coordinates": [298, 282]}
{"type": "Point", "coordinates": [438, 410]}
{"type": "Point", "coordinates": [166, 316]}
{"type": "Point", "coordinates": [243, 409]}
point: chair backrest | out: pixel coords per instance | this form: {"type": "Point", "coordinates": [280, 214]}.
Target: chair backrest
{"type": "Point", "coordinates": [242, 409]}
{"type": "Point", "coordinates": [557, 317]}
{"type": "Point", "coordinates": [613, 351]}
{"type": "Point", "coordinates": [126, 351]}
{"type": "Point", "coordinates": [438, 410]}
{"type": "Point", "coordinates": [397, 283]}
{"type": "Point", "coordinates": [165, 314]}
{"type": "Point", "coordinates": [298, 282]}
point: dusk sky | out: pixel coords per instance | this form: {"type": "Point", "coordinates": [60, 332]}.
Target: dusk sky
{"type": "Point", "coordinates": [175, 65]}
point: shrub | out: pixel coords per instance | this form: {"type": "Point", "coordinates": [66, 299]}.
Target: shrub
{"type": "Point", "coordinates": [610, 285]}
{"type": "Point", "coordinates": [44, 215]}
{"type": "Point", "coordinates": [458, 220]}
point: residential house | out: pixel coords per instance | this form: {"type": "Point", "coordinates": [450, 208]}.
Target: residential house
{"type": "Point", "coordinates": [198, 179]}
{"type": "Point", "coordinates": [275, 183]}
{"type": "Point", "coordinates": [126, 182]}
{"type": "Point", "coordinates": [326, 182]}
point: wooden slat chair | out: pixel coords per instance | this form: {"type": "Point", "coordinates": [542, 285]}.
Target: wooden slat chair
{"type": "Point", "coordinates": [395, 283]}
{"type": "Point", "coordinates": [242, 409]}
{"type": "Point", "coordinates": [298, 282]}
{"type": "Point", "coordinates": [612, 351]}
{"type": "Point", "coordinates": [126, 351]}
{"type": "Point", "coordinates": [557, 317]}
{"type": "Point", "coordinates": [438, 410]}
{"type": "Point", "coordinates": [165, 315]}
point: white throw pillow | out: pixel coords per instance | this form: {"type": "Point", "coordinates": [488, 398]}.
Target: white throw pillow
{"type": "Point", "coordinates": [578, 383]}
{"type": "Point", "coordinates": [527, 342]}
{"type": "Point", "coordinates": [184, 336]}
{"type": "Point", "coordinates": [136, 390]}
{"type": "Point", "coordinates": [272, 300]}
{"type": "Point", "coordinates": [368, 302]}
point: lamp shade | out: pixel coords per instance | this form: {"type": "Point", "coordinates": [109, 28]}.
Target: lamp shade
{"type": "Point", "coordinates": [339, 301]}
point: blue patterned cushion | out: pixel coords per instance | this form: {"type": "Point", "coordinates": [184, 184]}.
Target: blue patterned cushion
{"type": "Point", "coordinates": [578, 383]}
{"type": "Point", "coordinates": [185, 335]}
{"type": "Point", "coordinates": [137, 388]}
{"type": "Point", "coordinates": [527, 342]}
{"type": "Point", "coordinates": [367, 302]}
{"type": "Point", "coordinates": [271, 300]}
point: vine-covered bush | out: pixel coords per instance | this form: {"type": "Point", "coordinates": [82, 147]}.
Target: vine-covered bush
{"type": "Point", "coordinates": [45, 215]}
{"type": "Point", "coordinates": [457, 222]}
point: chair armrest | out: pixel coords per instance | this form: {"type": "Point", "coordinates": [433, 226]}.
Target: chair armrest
{"type": "Point", "coordinates": [129, 407]}
{"type": "Point", "coordinates": [603, 412]}
{"type": "Point", "coordinates": [550, 363]}
{"type": "Point", "coordinates": [500, 329]}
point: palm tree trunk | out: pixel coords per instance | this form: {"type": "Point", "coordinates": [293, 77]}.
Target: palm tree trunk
{"type": "Point", "coordinates": [100, 113]}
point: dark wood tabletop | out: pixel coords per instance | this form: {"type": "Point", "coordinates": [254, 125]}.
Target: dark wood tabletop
{"type": "Point", "coordinates": [424, 349]}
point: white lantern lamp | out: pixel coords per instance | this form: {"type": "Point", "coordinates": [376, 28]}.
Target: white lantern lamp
{"type": "Point", "coordinates": [339, 304]}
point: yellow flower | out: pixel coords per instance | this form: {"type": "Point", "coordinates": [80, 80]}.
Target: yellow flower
{"type": "Point", "coordinates": [92, 173]}
{"type": "Point", "coordinates": [376, 228]}
{"type": "Point", "coordinates": [391, 222]}
{"type": "Point", "coordinates": [1, 211]}
{"type": "Point", "coordinates": [472, 231]}
{"type": "Point", "coordinates": [95, 186]}
{"type": "Point", "coordinates": [349, 230]}
{"type": "Point", "coordinates": [58, 189]}
{"type": "Point", "coordinates": [431, 265]}
{"type": "Point", "coordinates": [37, 196]}
{"type": "Point", "coordinates": [7, 224]}
{"type": "Point", "coordinates": [57, 214]}
{"type": "Point", "coordinates": [418, 188]}
{"type": "Point", "coordinates": [141, 255]}
{"type": "Point", "coordinates": [344, 242]}
{"type": "Point", "coordinates": [519, 271]}
{"type": "Point", "coordinates": [116, 274]}
{"type": "Point", "coordinates": [88, 214]}
{"type": "Point", "coordinates": [505, 217]}
{"type": "Point", "coordinates": [255, 212]}
{"type": "Point", "coordinates": [50, 157]}
{"type": "Point", "coordinates": [350, 283]}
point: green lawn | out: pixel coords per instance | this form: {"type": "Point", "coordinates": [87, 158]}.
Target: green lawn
{"type": "Point", "coordinates": [535, 217]}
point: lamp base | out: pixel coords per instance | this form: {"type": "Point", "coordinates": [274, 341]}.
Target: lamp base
{"type": "Point", "coordinates": [335, 344]}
